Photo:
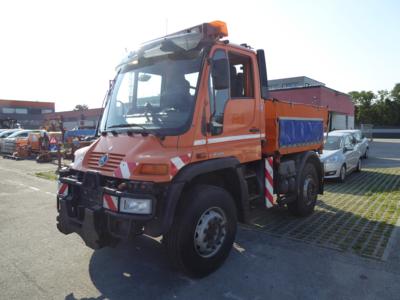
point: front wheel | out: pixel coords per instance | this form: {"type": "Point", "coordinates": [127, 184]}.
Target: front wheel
{"type": "Point", "coordinates": [203, 231]}
{"type": "Point", "coordinates": [342, 174]}
{"type": "Point", "coordinates": [358, 168]}
{"type": "Point", "coordinates": [308, 192]}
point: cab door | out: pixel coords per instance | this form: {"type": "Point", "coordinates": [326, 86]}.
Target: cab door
{"type": "Point", "coordinates": [234, 126]}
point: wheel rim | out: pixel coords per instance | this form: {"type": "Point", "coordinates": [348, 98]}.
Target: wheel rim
{"type": "Point", "coordinates": [210, 232]}
{"type": "Point", "coordinates": [309, 190]}
{"type": "Point", "coordinates": [343, 173]}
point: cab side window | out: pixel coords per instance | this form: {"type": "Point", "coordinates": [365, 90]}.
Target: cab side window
{"type": "Point", "coordinates": [348, 141]}
{"type": "Point", "coordinates": [358, 137]}
{"type": "Point", "coordinates": [241, 76]}
{"type": "Point", "coordinates": [218, 96]}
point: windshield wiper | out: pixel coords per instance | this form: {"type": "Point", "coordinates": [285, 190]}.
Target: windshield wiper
{"type": "Point", "coordinates": [144, 130]}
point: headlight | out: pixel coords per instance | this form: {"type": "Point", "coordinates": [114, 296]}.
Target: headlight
{"type": "Point", "coordinates": [135, 206]}
{"type": "Point", "coordinates": [332, 159]}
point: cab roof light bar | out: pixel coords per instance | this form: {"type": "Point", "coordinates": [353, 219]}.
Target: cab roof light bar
{"type": "Point", "coordinates": [211, 31]}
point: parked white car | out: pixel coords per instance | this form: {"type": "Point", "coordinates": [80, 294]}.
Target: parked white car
{"type": "Point", "coordinates": [9, 143]}
{"type": "Point", "coordinates": [362, 142]}
{"type": "Point", "coordinates": [340, 155]}
{"type": "Point", "coordinates": [5, 134]}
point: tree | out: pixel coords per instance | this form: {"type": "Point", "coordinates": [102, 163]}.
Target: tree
{"type": "Point", "coordinates": [81, 107]}
{"type": "Point", "coordinates": [363, 98]}
{"type": "Point", "coordinates": [382, 108]}
{"type": "Point", "coordinates": [395, 93]}
{"type": "Point", "coordinates": [363, 101]}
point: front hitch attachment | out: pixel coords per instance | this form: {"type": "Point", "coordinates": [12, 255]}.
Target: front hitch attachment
{"type": "Point", "coordinates": [89, 229]}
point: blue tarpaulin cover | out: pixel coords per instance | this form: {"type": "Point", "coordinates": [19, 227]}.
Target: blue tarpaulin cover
{"type": "Point", "coordinates": [296, 132]}
{"type": "Point", "coordinates": [79, 132]}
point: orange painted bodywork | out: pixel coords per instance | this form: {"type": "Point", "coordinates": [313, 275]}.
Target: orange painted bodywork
{"type": "Point", "coordinates": [247, 122]}
{"type": "Point", "coordinates": [34, 138]}
{"type": "Point", "coordinates": [33, 141]}
{"type": "Point", "coordinates": [21, 142]}
{"type": "Point", "coordinates": [275, 109]}
{"type": "Point", "coordinates": [135, 149]}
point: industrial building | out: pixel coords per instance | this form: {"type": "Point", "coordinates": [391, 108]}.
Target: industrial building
{"type": "Point", "coordinates": [309, 91]}
{"type": "Point", "coordinates": [75, 119]}
{"type": "Point", "coordinates": [29, 114]}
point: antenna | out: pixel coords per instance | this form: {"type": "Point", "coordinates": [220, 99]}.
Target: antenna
{"type": "Point", "coordinates": [166, 26]}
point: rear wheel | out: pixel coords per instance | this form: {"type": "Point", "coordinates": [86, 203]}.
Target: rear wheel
{"type": "Point", "coordinates": [307, 198]}
{"type": "Point", "coordinates": [203, 231]}
{"type": "Point", "coordinates": [366, 153]}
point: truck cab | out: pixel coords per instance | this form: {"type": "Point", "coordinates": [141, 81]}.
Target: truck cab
{"type": "Point", "coordinates": [182, 152]}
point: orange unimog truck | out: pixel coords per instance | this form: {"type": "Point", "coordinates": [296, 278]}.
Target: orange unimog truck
{"type": "Point", "coordinates": [188, 145]}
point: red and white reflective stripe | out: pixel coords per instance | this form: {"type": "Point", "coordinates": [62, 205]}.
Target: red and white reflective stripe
{"type": "Point", "coordinates": [269, 182]}
{"type": "Point", "coordinates": [63, 189]}
{"type": "Point", "coordinates": [110, 202]}
{"type": "Point", "coordinates": [178, 162]}
{"type": "Point", "coordinates": [125, 169]}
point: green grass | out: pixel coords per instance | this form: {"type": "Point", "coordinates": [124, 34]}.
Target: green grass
{"type": "Point", "coordinates": [358, 216]}
{"type": "Point", "coordinates": [49, 175]}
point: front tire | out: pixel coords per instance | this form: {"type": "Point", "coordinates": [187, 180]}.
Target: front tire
{"type": "Point", "coordinates": [308, 192]}
{"type": "Point", "coordinates": [358, 168]}
{"type": "Point", "coordinates": [342, 174]}
{"type": "Point", "coordinates": [203, 230]}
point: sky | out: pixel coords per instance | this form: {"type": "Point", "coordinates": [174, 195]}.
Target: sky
{"type": "Point", "coordinates": [67, 51]}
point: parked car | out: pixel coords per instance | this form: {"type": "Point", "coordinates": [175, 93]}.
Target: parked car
{"type": "Point", "coordinates": [362, 141]}
{"type": "Point", "coordinates": [340, 155]}
{"type": "Point", "coordinates": [7, 132]}
{"type": "Point", "coordinates": [10, 143]}
{"type": "Point", "coordinates": [4, 134]}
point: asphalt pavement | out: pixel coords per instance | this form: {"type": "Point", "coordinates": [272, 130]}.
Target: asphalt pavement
{"type": "Point", "coordinates": [38, 262]}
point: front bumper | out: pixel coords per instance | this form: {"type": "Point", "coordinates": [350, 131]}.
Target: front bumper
{"type": "Point", "coordinates": [332, 170]}
{"type": "Point", "coordinates": [81, 210]}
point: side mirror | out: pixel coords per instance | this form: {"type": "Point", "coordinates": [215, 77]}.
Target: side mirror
{"type": "Point", "coordinates": [219, 73]}
{"type": "Point", "coordinates": [346, 149]}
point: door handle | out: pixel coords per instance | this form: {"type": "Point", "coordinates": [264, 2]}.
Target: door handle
{"type": "Point", "coordinates": [254, 130]}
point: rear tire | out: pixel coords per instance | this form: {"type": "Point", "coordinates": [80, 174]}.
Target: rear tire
{"type": "Point", "coordinates": [366, 153]}
{"type": "Point", "coordinates": [203, 231]}
{"type": "Point", "coordinates": [307, 198]}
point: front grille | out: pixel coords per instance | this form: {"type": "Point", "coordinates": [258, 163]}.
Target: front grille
{"type": "Point", "coordinates": [110, 166]}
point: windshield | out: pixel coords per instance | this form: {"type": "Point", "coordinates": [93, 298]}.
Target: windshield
{"type": "Point", "coordinates": [5, 134]}
{"type": "Point", "coordinates": [332, 143]}
{"type": "Point", "coordinates": [155, 91]}
{"type": "Point", "coordinates": [18, 133]}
